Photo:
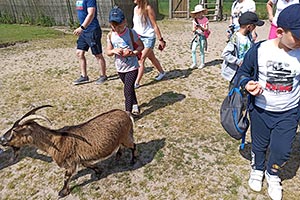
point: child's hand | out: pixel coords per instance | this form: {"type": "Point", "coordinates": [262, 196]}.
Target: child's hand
{"type": "Point", "coordinates": [254, 88]}
{"type": "Point", "coordinates": [127, 52]}
{"type": "Point", "coordinates": [118, 51]}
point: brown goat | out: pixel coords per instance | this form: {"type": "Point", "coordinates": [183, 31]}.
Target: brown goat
{"type": "Point", "coordinates": [70, 146]}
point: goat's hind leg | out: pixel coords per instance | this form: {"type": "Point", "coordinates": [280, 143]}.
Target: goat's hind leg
{"type": "Point", "coordinates": [133, 154]}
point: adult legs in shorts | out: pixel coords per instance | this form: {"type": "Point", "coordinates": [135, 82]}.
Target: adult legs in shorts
{"type": "Point", "coordinates": [148, 53]}
{"type": "Point", "coordinates": [90, 40]}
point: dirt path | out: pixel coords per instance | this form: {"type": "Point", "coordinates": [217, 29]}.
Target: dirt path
{"type": "Point", "coordinates": [183, 151]}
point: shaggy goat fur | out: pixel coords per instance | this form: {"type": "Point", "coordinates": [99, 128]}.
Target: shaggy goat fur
{"type": "Point", "coordinates": [70, 146]}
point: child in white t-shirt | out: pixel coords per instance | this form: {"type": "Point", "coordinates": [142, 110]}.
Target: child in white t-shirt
{"type": "Point", "coordinates": [120, 43]}
{"type": "Point", "coordinates": [270, 73]}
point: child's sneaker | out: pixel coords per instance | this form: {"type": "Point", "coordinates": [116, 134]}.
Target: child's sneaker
{"type": "Point", "coordinates": [160, 76]}
{"type": "Point", "coordinates": [135, 109]}
{"type": "Point", "coordinates": [201, 66]}
{"type": "Point", "coordinates": [255, 180]}
{"type": "Point", "coordinates": [274, 186]}
{"type": "Point", "coordinates": [136, 86]}
{"type": "Point", "coordinates": [193, 66]}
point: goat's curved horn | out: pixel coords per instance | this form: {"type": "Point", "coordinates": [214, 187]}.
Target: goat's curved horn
{"type": "Point", "coordinates": [32, 118]}
{"type": "Point", "coordinates": [34, 110]}
{"type": "Point", "coordinates": [30, 113]}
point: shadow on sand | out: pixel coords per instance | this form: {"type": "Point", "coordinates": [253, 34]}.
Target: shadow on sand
{"type": "Point", "coordinates": [180, 73]}
{"type": "Point", "coordinates": [165, 99]}
{"type": "Point", "coordinates": [146, 153]}
{"type": "Point", "coordinates": [6, 158]}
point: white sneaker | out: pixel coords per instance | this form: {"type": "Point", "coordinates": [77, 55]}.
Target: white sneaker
{"type": "Point", "coordinates": [274, 186]}
{"type": "Point", "coordinates": [255, 180]}
{"type": "Point", "coordinates": [135, 109]}
{"type": "Point", "coordinates": [193, 66]}
{"type": "Point", "coordinates": [201, 66]}
{"type": "Point", "coordinates": [160, 76]}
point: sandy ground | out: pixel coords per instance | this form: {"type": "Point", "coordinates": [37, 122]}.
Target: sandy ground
{"type": "Point", "coordinates": [184, 151]}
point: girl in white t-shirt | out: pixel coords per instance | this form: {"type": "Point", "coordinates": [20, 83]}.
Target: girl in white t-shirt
{"type": "Point", "coordinates": [239, 7]}
{"type": "Point", "coordinates": [144, 23]}
{"type": "Point", "coordinates": [120, 43]}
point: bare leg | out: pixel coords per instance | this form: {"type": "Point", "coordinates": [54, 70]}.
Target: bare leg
{"type": "Point", "coordinates": [155, 61]}
{"type": "Point", "coordinates": [82, 62]}
{"type": "Point", "coordinates": [145, 53]}
{"type": "Point", "coordinates": [102, 64]}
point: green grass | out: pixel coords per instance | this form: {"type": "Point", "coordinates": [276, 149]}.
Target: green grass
{"type": "Point", "coordinates": [22, 33]}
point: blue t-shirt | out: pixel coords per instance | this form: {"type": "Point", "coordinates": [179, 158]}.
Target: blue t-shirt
{"type": "Point", "coordinates": [81, 7]}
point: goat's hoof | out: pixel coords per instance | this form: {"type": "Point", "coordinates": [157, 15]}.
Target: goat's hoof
{"type": "Point", "coordinates": [64, 192]}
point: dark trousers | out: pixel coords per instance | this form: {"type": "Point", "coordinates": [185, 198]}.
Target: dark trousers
{"type": "Point", "coordinates": [128, 79]}
{"type": "Point", "coordinates": [273, 130]}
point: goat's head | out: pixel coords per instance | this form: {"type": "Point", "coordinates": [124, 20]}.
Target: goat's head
{"type": "Point", "coordinates": [19, 134]}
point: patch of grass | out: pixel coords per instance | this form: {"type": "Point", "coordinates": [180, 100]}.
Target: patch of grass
{"type": "Point", "coordinates": [15, 33]}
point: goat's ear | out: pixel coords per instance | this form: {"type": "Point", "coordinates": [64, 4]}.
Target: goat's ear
{"type": "Point", "coordinates": [23, 130]}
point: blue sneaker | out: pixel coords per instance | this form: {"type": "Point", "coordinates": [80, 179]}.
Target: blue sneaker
{"type": "Point", "coordinates": [81, 80]}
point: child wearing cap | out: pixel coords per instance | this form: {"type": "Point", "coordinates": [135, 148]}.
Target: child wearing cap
{"type": "Point", "coordinates": [120, 43]}
{"type": "Point", "coordinates": [239, 43]}
{"type": "Point", "coordinates": [270, 73]}
{"type": "Point", "coordinates": [200, 30]}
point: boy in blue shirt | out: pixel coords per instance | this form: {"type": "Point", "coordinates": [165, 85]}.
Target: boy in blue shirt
{"type": "Point", "coordinates": [89, 36]}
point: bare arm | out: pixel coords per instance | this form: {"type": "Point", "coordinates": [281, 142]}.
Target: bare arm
{"type": "Point", "coordinates": [152, 17]}
{"type": "Point", "coordinates": [269, 7]}
{"type": "Point", "coordinates": [87, 21]}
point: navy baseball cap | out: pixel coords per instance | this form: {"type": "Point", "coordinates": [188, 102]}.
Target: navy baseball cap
{"type": "Point", "coordinates": [289, 18]}
{"type": "Point", "coordinates": [250, 18]}
{"type": "Point", "coordinates": [116, 15]}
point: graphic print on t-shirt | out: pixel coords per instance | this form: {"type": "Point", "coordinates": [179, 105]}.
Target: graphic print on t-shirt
{"type": "Point", "coordinates": [279, 77]}
{"type": "Point", "coordinates": [79, 5]}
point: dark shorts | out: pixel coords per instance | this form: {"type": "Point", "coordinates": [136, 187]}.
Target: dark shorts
{"type": "Point", "coordinates": [91, 40]}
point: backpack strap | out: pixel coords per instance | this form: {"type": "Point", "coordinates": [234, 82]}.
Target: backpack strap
{"type": "Point", "coordinates": [131, 36]}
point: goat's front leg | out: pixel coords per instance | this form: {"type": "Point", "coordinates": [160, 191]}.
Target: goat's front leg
{"type": "Point", "coordinates": [68, 175]}
{"type": "Point", "coordinates": [16, 153]}
{"type": "Point", "coordinates": [134, 154]}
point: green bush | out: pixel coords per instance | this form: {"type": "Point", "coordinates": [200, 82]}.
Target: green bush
{"type": "Point", "coordinates": [5, 18]}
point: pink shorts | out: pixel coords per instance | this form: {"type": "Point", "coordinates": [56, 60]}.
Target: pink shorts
{"type": "Point", "coordinates": [272, 33]}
